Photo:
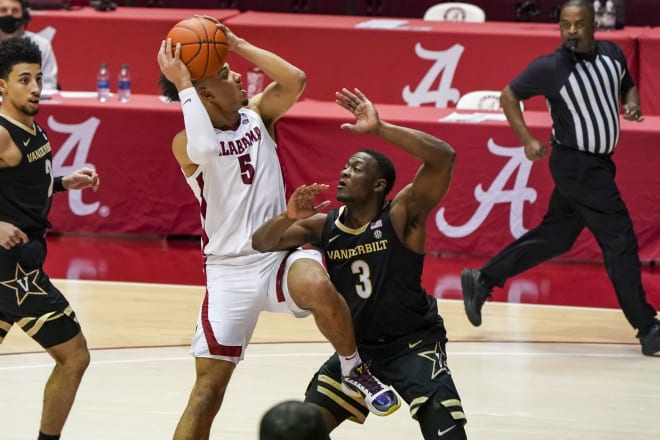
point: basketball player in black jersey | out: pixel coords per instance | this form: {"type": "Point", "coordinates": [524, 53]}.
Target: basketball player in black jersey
{"type": "Point", "coordinates": [374, 250]}
{"type": "Point", "coordinates": [27, 297]}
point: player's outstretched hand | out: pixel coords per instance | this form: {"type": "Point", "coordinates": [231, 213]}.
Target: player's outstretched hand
{"type": "Point", "coordinates": [366, 116]}
{"type": "Point", "coordinates": [301, 203]}
{"type": "Point", "coordinates": [232, 39]}
{"type": "Point", "coordinates": [171, 65]}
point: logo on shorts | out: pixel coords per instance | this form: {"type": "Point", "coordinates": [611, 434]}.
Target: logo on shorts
{"type": "Point", "coordinates": [438, 360]}
{"type": "Point", "coordinates": [441, 433]}
{"type": "Point", "coordinates": [24, 284]}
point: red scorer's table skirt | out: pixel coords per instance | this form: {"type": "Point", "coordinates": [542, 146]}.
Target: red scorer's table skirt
{"type": "Point", "coordinates": [495, 193]}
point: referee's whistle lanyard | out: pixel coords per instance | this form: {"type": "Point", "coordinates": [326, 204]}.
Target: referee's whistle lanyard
{"type": "Point", "coordinates": [571, 47]}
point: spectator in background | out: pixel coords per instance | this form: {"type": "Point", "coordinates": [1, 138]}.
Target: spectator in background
{"type": "Point", "coordinates": [293, 420]}
{"type": "Point", "coordinates": [14, 15]}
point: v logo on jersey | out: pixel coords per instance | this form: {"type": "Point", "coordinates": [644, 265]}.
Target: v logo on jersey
{"type": "Point", "coordinates": [26, 142]}
{"type": "Point", "coordinates": [441, 433]}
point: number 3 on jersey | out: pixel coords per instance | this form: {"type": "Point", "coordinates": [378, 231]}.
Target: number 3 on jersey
{"type": "Point", "coordinates": [364, 288]}
{"type": "Point", "coordinates": [247, 169]}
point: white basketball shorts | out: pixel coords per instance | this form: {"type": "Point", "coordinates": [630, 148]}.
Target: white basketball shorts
{"type": "Point", "coordinates": [236, 294]}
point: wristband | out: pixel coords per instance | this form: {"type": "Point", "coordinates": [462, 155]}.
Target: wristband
{"type": "Point", "coordinates": [58, 186]}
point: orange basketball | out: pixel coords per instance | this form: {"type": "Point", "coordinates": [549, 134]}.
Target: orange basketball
{"type": "Point", "coordinates": [203, 46]}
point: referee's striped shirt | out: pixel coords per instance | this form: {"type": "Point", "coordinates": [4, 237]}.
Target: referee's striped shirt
{"type": "Point", "coordinates": [582, 93]}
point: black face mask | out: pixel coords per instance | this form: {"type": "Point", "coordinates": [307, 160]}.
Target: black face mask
{"type": "Point", "coordinates": [10, 24]}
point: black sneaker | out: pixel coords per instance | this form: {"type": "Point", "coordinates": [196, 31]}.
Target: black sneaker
{"type": "Point", "coordinates": [651, 340]}
{"type": "Point", "coordinates": [380, 398]}
{"type": "Point", "coordinates": [475, 293]}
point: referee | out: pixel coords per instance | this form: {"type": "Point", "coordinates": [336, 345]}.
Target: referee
{"type": "Point", "coordinates": [582, 81]}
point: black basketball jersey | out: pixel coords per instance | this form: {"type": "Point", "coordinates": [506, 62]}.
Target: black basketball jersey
{"type": "Point", "coordinates": [379, 278]}
{"type": "Point", "coordinates": [26, 189]}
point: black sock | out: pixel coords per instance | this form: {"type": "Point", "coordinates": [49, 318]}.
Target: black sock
{"type": "Point", "coordinates": [43, 436]}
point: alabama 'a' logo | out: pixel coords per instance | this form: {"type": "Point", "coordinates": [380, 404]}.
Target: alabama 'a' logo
{"type": "Point", "coordinates": [517, 169]}
{"type": "Point", "coordinates": [436, 86]}
{"type": "Point", "coordinates": [72, 155]}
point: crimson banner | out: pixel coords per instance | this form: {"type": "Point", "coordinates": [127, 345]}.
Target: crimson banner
{"type": "Point", "coordinates": [496, 194]}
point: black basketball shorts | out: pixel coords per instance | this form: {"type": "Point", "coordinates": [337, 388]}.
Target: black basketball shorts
{"type": "Point", "coordinates": [30, 300]}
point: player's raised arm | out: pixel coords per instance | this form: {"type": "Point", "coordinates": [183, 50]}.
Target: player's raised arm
{"type": "Point", "coordinates": [413, 203]}
{"type": "Point", "coordinates": [288, 81]}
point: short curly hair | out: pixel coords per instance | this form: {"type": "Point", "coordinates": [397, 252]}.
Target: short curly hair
{"type": "Point", "coordinates": [17, 51]}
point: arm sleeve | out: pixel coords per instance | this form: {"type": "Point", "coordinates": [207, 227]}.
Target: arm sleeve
{"type": "Point", "coordinates": [202, 145]}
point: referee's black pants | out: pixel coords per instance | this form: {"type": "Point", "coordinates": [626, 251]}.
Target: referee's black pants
{"type": "Point", "coordinates": [585, 194]}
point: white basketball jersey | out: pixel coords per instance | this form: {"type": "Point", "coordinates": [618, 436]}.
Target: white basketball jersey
{"type": "Point", "coordinates": [239, 189]}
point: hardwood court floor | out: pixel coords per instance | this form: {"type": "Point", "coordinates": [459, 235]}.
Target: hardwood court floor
{"type": "Point", "coordinates": [531, 371]}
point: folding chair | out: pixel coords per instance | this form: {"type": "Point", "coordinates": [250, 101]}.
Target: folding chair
{"type": "Point", "coordinates": [455, 11]}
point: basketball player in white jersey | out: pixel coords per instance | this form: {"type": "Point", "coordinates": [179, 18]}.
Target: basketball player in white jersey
{"type": "Point", "coordinates": [227, 153]}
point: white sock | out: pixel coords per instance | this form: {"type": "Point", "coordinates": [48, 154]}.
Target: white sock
{"type": "Point", "coordinates": [348, 362]}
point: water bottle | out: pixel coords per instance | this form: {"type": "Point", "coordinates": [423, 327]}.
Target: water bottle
{"type": "Point", "coordinates": [124, 84]}
{"type": "Point", "coordinates": [103, 83]}
{"type": "Point", "coordinates": [255, 82]}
